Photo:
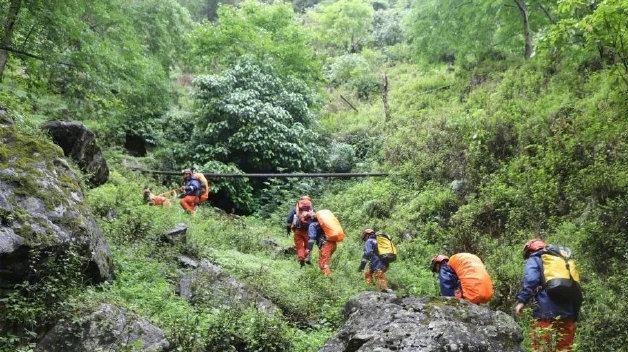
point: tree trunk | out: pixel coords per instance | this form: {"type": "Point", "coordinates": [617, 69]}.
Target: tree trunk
{"type": "Point", "coordinates": [385, 98]}
{"type": "Point", "coordinates": [9, 24]}
{"type": "Point", "coordinates": [523, 9]}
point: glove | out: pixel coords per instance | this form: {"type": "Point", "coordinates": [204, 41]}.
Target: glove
{"type": "Point", "coordinates": [287, 230]}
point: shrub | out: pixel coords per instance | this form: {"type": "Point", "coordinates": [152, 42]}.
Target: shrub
{"type": "Point", "coordinates": [247, 330]}
{"type": "Point", "coordinates": [341, 157]}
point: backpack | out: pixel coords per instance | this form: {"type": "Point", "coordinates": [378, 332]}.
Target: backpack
{"type": "Point", "coordinates": [561, 279]}
{"type": "Point", "coordinates": [204, 184]}
{"type": "Point", "coordinates": [385, 247]}
{"type": "Point", "coordinates": [475, 282]}
{"type": "Point", "coordinates": [330, 225]}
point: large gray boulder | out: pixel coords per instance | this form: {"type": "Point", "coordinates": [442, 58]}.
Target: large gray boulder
{"type": "Point", "coordinates": [43, 215]}
{"type": "Point", "coordinates": [212, 286]}
{"type": "Point", "coordinates": [79, 144]}
{"type": "Point", "coordinates": [108, 328]}
{"type": "Point", "coordinates": [383, 322]}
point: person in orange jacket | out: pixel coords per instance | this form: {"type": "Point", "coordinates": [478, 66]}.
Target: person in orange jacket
{"type": "Point", "coordinates": [156, 199]}
{"type": "Point", "coordinates": [298, 221]}
{"type": "Point", "coordinates": [191, 192]}
{"type": "Point", "coordinates": [327, 248]}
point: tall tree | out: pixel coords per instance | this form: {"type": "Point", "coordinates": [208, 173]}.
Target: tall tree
{"type": "Point", "coordinates": [344, 25]}
{"type": "Point", "coordinates": [102, 60]}
{"type": "Point", "coordinates": [470, 30]}
{"type": "Point", "coordinates": [597, 27]}
{"type": "Point", "coordinates": [527, 36]}
{"type": "Point", "coordinates": [7, 34]}
{"type": "Point", "coordinates": [270, 33]}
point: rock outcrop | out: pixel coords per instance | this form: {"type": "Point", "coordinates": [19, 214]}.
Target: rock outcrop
{"type": "Point", "coordinates": [79, 144]}
{"type": "Point", "coordinates": [43, 214]}
{"type": "Point", "coordinates": [383, 322]}
{"type": "Point", "coordinates": [176, 234]}
{"type": "Point", "coordinates": [108, 328]}
{"type": "Point", "coordinates": [210, 285]}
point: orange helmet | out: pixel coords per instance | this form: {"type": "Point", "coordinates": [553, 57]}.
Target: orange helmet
{"type": "Point", "coordinates": [532, 246]}
{"type": "Point", "coordinates": [437, 260]}
{"type": "Point", "coordinates": [366, 233]}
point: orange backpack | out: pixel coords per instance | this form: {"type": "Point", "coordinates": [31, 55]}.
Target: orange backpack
{"type": "Point", "coordinates": [330, 225]}
{"type": "Point", "coordinates": [475, 283]}
{"type": "Point", "coordinates": [204, 183]}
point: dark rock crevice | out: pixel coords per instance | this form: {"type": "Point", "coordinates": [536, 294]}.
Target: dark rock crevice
{"type": "Point", "coordinates": [79, 144]}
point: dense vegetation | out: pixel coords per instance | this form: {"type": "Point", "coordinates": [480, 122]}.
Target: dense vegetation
{"type": "Point", "coordinates": [498, 121]}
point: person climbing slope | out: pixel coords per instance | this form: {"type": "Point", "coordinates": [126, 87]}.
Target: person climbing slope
{"type": "Point", "coordinates": [191, 191]}
{"type": "Point", "coordinates": [205, 186]}
{"type": "Point", "coordinates": [463, 276]}
{"type": "Point", "coordinates": [156, 199]}
{"type": "Point", "coordinates": [297, 222]}
{"type": "Point", "coordinates": [326, 232]}
{"type": "Point", "coordinates": [378, 265]}
{"type": "Point", "coordinates": [554, 324]}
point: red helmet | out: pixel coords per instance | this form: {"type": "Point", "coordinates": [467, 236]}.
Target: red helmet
{"type": "Point", "coordinates": [532, 246]}
{"type": "Point", "coordinates": [437, 260]}
{"type": "Point", "coordinates": [366, 233]}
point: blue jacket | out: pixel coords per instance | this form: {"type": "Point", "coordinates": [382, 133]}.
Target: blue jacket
{"type": "Point", "coordinates": [290, 217]}
{"type": "Point", "coordinates": [192, 187]}
{"type": "Point", "coordinates": [371, 255]}
{"type": "Point", "coordinates": [316, 234]}
{"type": "Point", "coordinates": [532, 288]}
{"type": "Point", "coordinates": [448, 280]}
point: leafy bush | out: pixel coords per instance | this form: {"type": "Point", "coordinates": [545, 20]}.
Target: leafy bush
{"type": "Point", "coordinates": [387, 27]}
{"type": "Point", "coordinates": [255, 118]}
{"type": "Point", "coordinates": [250, 119]}
{"type": "Point", "coordinates": [30, 308]}
{"type": "Point", "coordinates": [247, 330]}
{"type": "Point", "coordinates": [269, 33]}
{"type": "Point", "coordinates": [341, 157]}
{"type": "Point", "coordinates": [354, 71]}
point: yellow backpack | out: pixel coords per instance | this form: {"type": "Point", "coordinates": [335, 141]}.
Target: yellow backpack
{"type": "Point", "coordinates": [561, 279]}
{"type": "Point", "coordinates": [385, 247]}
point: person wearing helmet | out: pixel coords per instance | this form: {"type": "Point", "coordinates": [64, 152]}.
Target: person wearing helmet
{"type": "Point", "coordinates": [156, 199]}
{"type": "Point", "coordinates": [377, 265]}
{"type": "Point", "coordinates": [190, 192]}
{"type": "Point", "coordinates": [297, 222]}
{"type": "Point", "coordinates": [463, 276]}
{"type": "Point", "coordinates": [447, 279]}
{"type": "Point", "coordinates": [551, 318]}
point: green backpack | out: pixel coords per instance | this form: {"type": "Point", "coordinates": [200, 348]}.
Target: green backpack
{"type": "Point", "coordinates": [385, 247]}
